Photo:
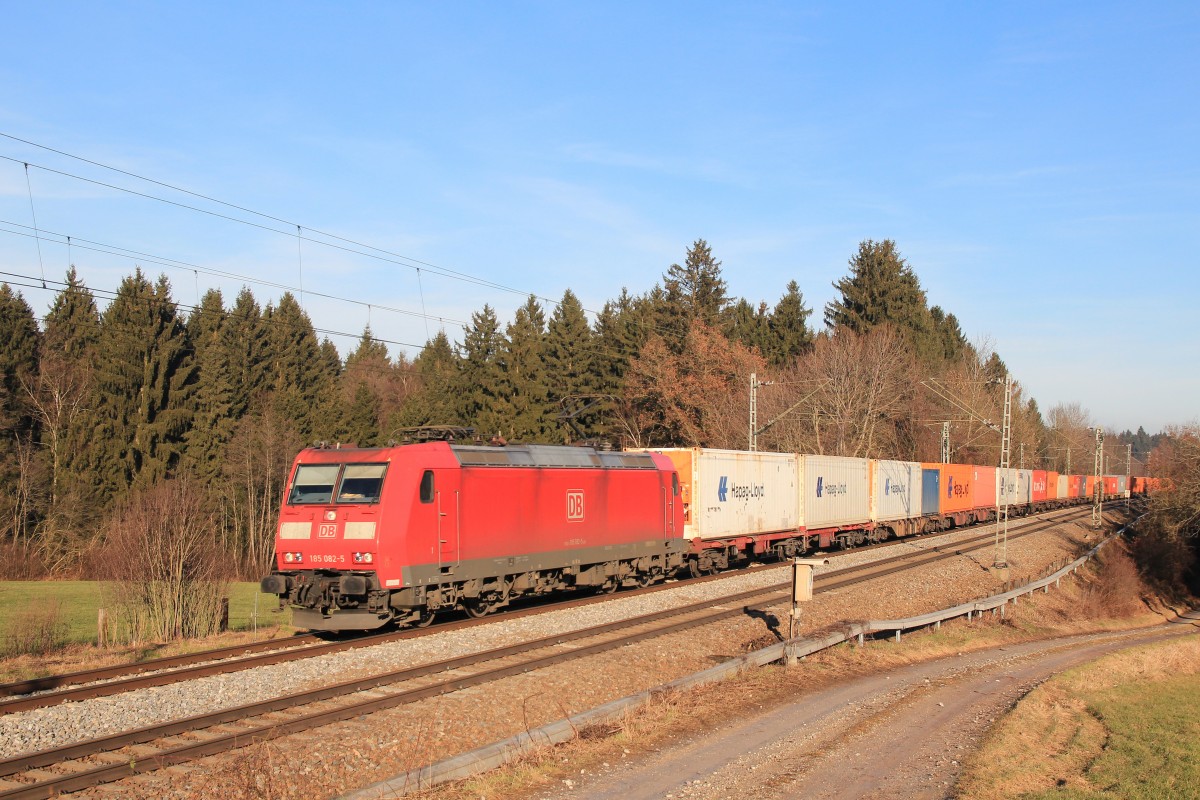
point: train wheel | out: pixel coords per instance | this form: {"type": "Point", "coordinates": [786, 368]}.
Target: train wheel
{"type": "Point", "coordinates": [608, 587]}
{"type": "Point", "coordinates": [424, 620]}
{"type": "Point", "coordinates": [694, 568]}
{"type": "Point", "coordinates": [477, 608]}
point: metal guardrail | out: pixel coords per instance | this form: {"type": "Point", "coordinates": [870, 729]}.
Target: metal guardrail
{"type": "Point", "coordinates": [523, 744]}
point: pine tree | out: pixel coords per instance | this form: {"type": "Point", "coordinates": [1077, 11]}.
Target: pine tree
{"type": "Point", "coordinates": [620, 331]}
{"type": "Point", "coordinates": [479, 372]}
{"type": "Point", "coordinates": [949, 342]}
{"type": "Point", "coordinates": [790, 335]}
{"type": "Point", "coordinates": [299, 370]}
{"type": "Point", "coordinates": [748, 325]}
{"type": "Point", "coordinates": [881, 288]}
{"type": "Point", "coordinates": [571, 357]}
{"type": "Point", "coordinates": [144, 381]}
{"type": "Point", "coordinates": [437, 400]}
{"type": "Point", "coordinates": [366, 376]}
{"type": "Point", "coordinates": [215, 419]}
{"type": "Point", "coordinates": [65, 396]}
{"type": "Point", "coordinates": [693, 292]}
{"type": "Point", "coordinates": [19, 344]}
{"type": "Point", "coordinates": [524, 407]}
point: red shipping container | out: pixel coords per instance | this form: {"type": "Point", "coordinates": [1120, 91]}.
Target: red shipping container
{"type": "Point", "coordinates": [984, 487]}
{"type": "Point", "coordinates": [1051, 485]}
{"type": "Point", "coordinates": [1089, 486]}
{"type": "Point", "coordinates": [1039, 487]}
{"type": "Point", "coordinates": [1112, 485]}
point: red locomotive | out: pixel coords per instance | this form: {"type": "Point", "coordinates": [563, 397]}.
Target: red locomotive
{"type": "Point", "coordinates": [395, 534]}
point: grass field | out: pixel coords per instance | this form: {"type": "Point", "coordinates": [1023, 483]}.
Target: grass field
{"type": "Point", "coordinates": [1126, 726]}
{"type": "Point", "coordinates": [79, 601]}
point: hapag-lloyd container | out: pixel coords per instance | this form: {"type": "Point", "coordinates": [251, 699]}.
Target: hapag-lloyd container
{"type": "Point", "coordinates": [736, 493]}
{"type": "Point", "coordinates": [837, 491]}
{"type": "Point", "coordinates": [1006, 486]}
{"type": "Point", "coordinates": [1024, 486]}
{"type": "Point", "coordinates": [956, 489]}
{"type": "Point", "coordinates": [984, 487]}
{"type": "Point", "coordinates": [895, 490]}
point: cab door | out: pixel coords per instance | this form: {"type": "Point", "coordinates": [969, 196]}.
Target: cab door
{"type": "Point", "coordinates": [441, 488]}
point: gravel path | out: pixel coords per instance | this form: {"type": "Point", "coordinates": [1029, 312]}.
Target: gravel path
{"type": "Point", "coordinates": [359, 752]}
{"type": "Point", "coordinates": [903, 734]}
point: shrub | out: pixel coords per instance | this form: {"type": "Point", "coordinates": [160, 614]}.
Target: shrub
{"type": "Point", "coordinates": [167, 569]}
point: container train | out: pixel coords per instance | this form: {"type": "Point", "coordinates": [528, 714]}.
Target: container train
{"type": "Point", "coordinates": [393, 535]}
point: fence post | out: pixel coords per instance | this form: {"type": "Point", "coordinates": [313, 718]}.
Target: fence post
{"type": "Point", "coordinates": [223, 626]}
{"type": "Point", "coordinates": [102, 627]}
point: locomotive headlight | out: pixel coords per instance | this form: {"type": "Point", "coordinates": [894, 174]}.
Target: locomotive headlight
{"type": "Point", "coordinates": [299, 557]}
{"type": "Point", "coordinates": [288, 558]}
{"type": "Point", "coordinates": [358, 557]}
{"type": "Point", "coordinates": [368, 557]}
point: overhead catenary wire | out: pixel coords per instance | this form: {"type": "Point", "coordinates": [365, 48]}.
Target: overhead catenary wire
{"type": "Point", "coordinates": [169, 263]}
{"type": "Point", "coordinates": [391, 257]}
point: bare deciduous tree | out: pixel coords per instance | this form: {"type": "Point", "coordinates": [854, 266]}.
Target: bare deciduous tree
{"type": "Point", "coordinates": [167, 569]}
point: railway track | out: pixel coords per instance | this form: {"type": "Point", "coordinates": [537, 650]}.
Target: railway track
{"type": "Point", "coordinates": [111, 758]}
{"type": "Point", "coordinates": [85, 685]}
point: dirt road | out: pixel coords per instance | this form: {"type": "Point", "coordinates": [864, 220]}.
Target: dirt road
{"type": "Point", "coordinates": [898, 735]}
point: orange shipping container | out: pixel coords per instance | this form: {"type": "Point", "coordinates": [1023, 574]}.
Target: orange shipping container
{"type": "Point", "coordinates": [957, 482]}
{"type": "Point", "coordinates": [1051, 485]}
{"type": "Point", "coordinates": [983, 487]}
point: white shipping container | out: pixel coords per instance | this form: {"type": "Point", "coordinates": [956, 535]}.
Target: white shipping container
{"type": "Point", "coordinates": [736, 493]}
{"type": "Point", "coordinates": [1062, 487]}
{"type": "Point", "coordinates": [895, 490]}
{"type": "Point", "coordinates": [837, 491]}
{"type": "Point", "coordinates": [1024, 487]}
{"type": "Point", "coordinates": [1006, 486]}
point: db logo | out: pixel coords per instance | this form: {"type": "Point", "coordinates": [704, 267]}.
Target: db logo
{"type": "Point", "coordinates": [327, 531]}
{"type": "Point", "coordinates": [575, 505]}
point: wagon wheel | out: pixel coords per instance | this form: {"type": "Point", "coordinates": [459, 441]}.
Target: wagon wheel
{"type": "Point", "coordinates": [425, 619]}
{"type": "Point", "coordinates": [477, 608]}
{"type": "Point", "coordinates": [693, 567]}
{"type": "Point", "coordinates": [644, 579]}
{"type": "Point", "coordinates": [608, 587]}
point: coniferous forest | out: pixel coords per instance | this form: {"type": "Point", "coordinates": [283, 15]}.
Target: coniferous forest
{"type": "Point", "coordinates": [101, 406]}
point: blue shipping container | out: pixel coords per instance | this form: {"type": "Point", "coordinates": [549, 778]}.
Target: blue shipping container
{"type": "Point", "coordinates": [931, 493]}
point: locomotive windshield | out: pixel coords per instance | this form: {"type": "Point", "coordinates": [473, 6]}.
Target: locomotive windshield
{"type": "Point", "coordinates": [315, 483]}
{"type": "Point", "coordinates": [361, 483]}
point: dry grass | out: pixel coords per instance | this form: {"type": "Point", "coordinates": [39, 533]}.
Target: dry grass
{"type": "Point", "coordinates": [35, 630]}
{"type": "Point", "coordinates": [78, 657]}
{"type": "Point", "coordinates": [1054, 735]}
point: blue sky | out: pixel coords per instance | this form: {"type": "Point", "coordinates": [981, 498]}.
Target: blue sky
{"type": "Point", "coordinates": [1036, 163]}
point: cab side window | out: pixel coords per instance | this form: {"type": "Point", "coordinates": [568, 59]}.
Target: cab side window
{"type": "Point", "coordinates": [427, 486]}
{"type": "Point", "coordinates": [675, 484]}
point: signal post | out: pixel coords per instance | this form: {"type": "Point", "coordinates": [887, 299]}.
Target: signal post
{"type": "Point", "coordinates": [802, 592]}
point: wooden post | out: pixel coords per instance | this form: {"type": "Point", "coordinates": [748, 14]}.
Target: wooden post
{"type": "Point", "coordinates": [224, 624]}
{"type": "Point", "coordinates": [102, 627]}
